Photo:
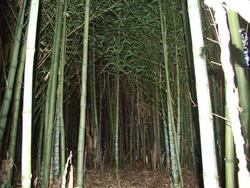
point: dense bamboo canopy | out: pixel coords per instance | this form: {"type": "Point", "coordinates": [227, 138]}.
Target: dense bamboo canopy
{"type": "Point", "coordinates": [155, 90]}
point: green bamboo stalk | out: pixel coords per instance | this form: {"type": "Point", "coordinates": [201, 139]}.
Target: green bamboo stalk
{"type": "Point", "coordinates": [163, 113]}
{"type": "Point", "coordinates": [242, 76]}
{"type": "Point", "coordinates": [47, 109]}
{"type": "Point", "coordinates": [12, 72]}
{"type": "Point", "coordinates": [137, 153]}
{"type": "Point", "coordinates": [188, 48]}
{"type": "Point", "coordinates": [27, 97]}
{"type": "Point", "coordinates": [178, 136]}
{"type": "Point", "coordinates": [81, 138]}
{"type": "Point", "coordinates": [232, 97]}
{"type": "Point", "coordinates": [40, 140]}
{"type": "Point", "coordinates": [158, 126]}
{"type": "Point", "coordinates": [142, 141]}
{"type": "Point", "coordinates": [111, 118]}
{"type": "Point", "coordinates": [175, 162]}
{"type": "Point", "coordinates": [191, 136]}
{"type": "Point", "coordinates": [209, 162]}
{"type": "Point", "coordinates": [96, 126]}
{"type": "Point", "coordinates": [155, 138]}
{"type": "Point", "coordinates": [52, 102]}
{"type": "Point", "coordinates": [56, 152]}
{"type": "Point", "coordinates": [117, 105]}
{"type": "Point", "coordinates": [131, 126]}
{"type": "Point", "coordinates": [17, 101]}
{"type": "Point", "coordinates": [45, 126]}
{"type": "Point", "coordinates": [61, 90]}
{"type": "Point", "coordinates": [173, 156]}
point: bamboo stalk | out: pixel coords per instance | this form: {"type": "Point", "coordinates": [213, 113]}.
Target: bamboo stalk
{"type": "Point", "coordinates": [175, 162]}
{"type": "Point", "coordinates": [209, 162]}
{"type": "Point", "coordinates": [232, 97]}
{"type": "Point", "coordinates": [12, 72]}
{"type": "Point", "coordinates": [117, 125]}
{"type": "Point", "coordinates": [242, 76]}
{"type": "Point", "coordinates": [17, 103]}
{"type": "Point", "coordinates": [27, 102]}
{"type": "Point", "coordinates": [52, 92]}
{"type": "Point", "coordinates": [229, 155]}
{"type": "Point", "coordinates": [81, 138]}
{"type": "Point", "coordinates": [61, 89]}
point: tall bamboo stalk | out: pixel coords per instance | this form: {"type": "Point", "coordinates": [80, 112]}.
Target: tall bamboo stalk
{"type": "Point", "coordinates": [242, 76]}
{"type": "Point", "coordinates": [209, 162]}
{"type": "Point", "coordinates": [178, 133]}
{"type": "Point", "coordinates": [81, 138]}
{"type": "Point", "coordinates": [12, 72]}
{"type": "Point", "coordinates": [27, 97]}
{"type": "Point", "coordinates": [117, 124]}
{"type": "Point", "coordinates": [61, 90]}
{"type": "Point", "coordinates": [52, 92]}
{"type": "Point", "coordinates": [17, 103]}
{"type": "Point", "coordinates": [97, 145]}
{"type": "Point", "coordinates": [175, 162]}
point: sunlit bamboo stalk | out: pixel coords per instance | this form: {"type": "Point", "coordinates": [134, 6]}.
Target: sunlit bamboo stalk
{"type": "Point", "coordinates": [209, 162]}
{"type": "Point", "coordinates": [27, 102]}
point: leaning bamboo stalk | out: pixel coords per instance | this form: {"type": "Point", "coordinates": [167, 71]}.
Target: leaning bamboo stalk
{"type": "Point", "coordinates": [241, 74]}
{"type": "Point", "coordinates": [232, 97]}
{"type": "Point", "coordinates": [27, 98]}
{"type": "Point", "coordinates": [17, 103]}
{"type": "Point", "coordinates": [241, 7]}
{"type": "Point", "coordinates": [209, 162]}
{"type": "Point", "coordinates": [12, 73]}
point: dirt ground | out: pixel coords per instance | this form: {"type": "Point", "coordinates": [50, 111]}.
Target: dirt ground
{"type": "Point", "coordinates": [134, 179]}
{"type": "Point", "coordinates": [129, 178]}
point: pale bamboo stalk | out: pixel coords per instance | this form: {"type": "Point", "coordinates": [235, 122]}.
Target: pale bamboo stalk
{"type": "Point", "coordinates": [209, 162]}
{"type": "Point", "coordinates": [27, 102]}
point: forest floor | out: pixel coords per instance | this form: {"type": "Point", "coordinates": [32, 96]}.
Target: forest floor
{"type": "Point", "coordinates": [131, 178]}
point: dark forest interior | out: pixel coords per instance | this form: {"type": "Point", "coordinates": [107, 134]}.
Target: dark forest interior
{"type": "Point", "coordinates": [124, 93]}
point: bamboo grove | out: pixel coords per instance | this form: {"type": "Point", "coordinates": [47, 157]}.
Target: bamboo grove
{"type": "Point", "coordinates": [94, 84]}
